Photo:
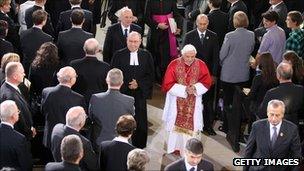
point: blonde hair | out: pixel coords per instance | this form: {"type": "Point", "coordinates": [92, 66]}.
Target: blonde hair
{"type": "Point", "coordinates": [240, 19]}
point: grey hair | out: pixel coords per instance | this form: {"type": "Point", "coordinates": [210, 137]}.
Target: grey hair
{"type": "Point", "coordinates": [64, 75]}
{"type": "Point", "coordinates": [188, 48]}
{"type": "Point", "coordinates": [75, 117]}
{"type": "Point", "coordinates": [200, 16]}
{"type": "Point", "coordinates": [137, 159]}
{"type": "Point", "coordinates": [115, 77]}
{"type": "Point", "coordinates": [7, 110]}
{"type": "Point", "coordinates": [285, 71]}
{"type": "Point", "coordinates": [122, 11]}
{"type": "Point", "coordinates": [275, 104]}
{"type": "Point", "coordinates": [71, 148]}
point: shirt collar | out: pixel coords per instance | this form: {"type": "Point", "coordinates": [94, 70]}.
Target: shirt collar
{"type": "Point", "coordinates": [8, 124]}
{"type": "Point", "coordinates": [214, 9]}
{"type": "Point", "coordinates": [272, 27]}
{"type": "Point", "coordinates": [75, 6]}
{"type": "Point", "coordinates": [14, 86]}
{"type": "Point", "coordinates": [234, 3]}
{"type": "Point", "coordinates": [121, 139]}
{"type": "Point", "coordinates": [76, 27]}
{"type": "Point", "coordinates": [71, 127]}
{"type": "Point", "coordinates": [273, 6]}
{"type": "Point", "coordinates": [123, 28]}
{"type": "Point", "coordinates": [200, 33]}
{"type": "Point", "coordinates": [278, 126]}
{"type": "Point", "coordinates": [188, 166]}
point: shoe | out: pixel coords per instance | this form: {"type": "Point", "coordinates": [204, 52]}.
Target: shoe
{"type": "Point", "coordinates": [210, 131]}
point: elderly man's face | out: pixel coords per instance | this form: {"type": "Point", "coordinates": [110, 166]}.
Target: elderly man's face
{"type": "Point", "coordinates": [202, 24]}
{"type": "Point", "coordinates": [126, 18]}
{"type": "Point", "coordinates": [193, 159]}
{"type": "Point", "coordinates": [133, 42]}
{"type": "Point", "coordinates": [275, 115]}
{"type": "Point", "coordinates": [189, 57]}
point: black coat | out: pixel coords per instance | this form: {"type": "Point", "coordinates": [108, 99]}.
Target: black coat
{"type": "Point", "coordinates": [62, 166]}
{"type": "Point", "coordinates": [14, 150]}
{"type": "Point", "coordinates": [70, 44]}
{"type": "Point", "coordinates": [179, 165]}
{"type": "Point", "coordinates": [31, 40]}
{"type": "Point", "coordinates": [48, 28]}
{"type": "Point", "coordinates": [64, 22]}
{"type": "Point", "coordinates": [55, 103]}
{"type": "Point", "coordinates": [89, 160]}
{"type": "Point", "coordinates": [113, 155]}
{"type": "Point", "coordinates": [5, 47]}
{"type": "Point", "coordinates": [218, 23]}
{"type": "Point", "coordinates": [238, 6]}
{"type": "Point", "coordinates": [115, 40]}
{"type": "Point", "coordinates": [7, 92]}
{"type": "Point", "coordinates": [208, 51]}
{"type": "Point", "coordinates": [12, 34]}
{"type": "Point", "coordinates": [91, 78]}
{"type": "Point", "coordinates": [293, 97]}
{"type": "Point", "coordinates": [95, 8]}
{"type": "Point", "coordinates": [55, 7]}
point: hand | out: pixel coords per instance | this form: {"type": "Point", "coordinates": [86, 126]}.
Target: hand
{"type": "Point", "coordinates": [133, 84]}
{"type": "Point", "coordinates": [135, 19]}
{"type": "Point", "coordinates": [162, 26]}
{"type": "Point", "coordinates": [33, 132]}
{"type": "Point", "coordinates": [177, 31]}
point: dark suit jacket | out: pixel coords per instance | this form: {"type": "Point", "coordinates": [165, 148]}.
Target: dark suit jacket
{"type": "Point", "coordinates": [70, 44]}
{"type": "Point", "coordinates": [95, 8]}
{"type": "Point", "coordinates": [113, 155]}
{"type": "Point", "coordinates": [293, 97]}
{"type": "Point", "coordinates": [64, 22]}
{"type": "Point", "coordinates": [238, 6]}
{"type": "Point", "coordinates": [218, 23]}
{"type": "Point", "coordinates": [208, 51]}
{"type": "Point", "coordinates": [143, 73]}
{"type": "Point", "coordinates": [25, 122]}
{"type": "Point", "coordinates": [104, 111]}
{"type": "Point", "coordinates": [48, 28]}
{"type": "Point", "coordinates": [91, 78]}
{"type": "Point", "coordinates": [286, 146]}
{"type": "Point", "coordinates": [55, 102]}
{"type": "Point", "coordinates": [55, 7]}
{"type": "Point", "coordinates": [5, 47]}
{"type": "Point", "coordinates": [62, 166]}
{"type": "Point", "coordinates": [14, 151]}
{"type": "Point", "coordinates": [12, 34]}
{"type": "Point", "coordinates": [179, 165]}
{"type": "Point", "coordinates": [31, 40]}
{"type": "Point", "coordinates": [115, 40]}
{"type": "Point", "coordinates": [89, 160]}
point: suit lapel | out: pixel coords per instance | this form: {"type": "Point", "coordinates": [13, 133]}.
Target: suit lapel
{"type": "Point", "coordinates": [121, 36]}
{"type": "Point", "coordinates": [281, 136]}
{"type": "Point", "coordinates": [197, 37]}
{"type": "Point", "coordinates": [267, 137]}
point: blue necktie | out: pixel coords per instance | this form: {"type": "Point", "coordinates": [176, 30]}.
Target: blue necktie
{"type": "Point", "coordinates": [126, 32]}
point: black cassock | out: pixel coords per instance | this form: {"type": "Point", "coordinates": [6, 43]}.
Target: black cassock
{"type": "Point", "coordinates": [144, 75]}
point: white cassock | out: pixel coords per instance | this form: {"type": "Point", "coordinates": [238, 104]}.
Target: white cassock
{"type": "Point", "coordinates": [177, 140]}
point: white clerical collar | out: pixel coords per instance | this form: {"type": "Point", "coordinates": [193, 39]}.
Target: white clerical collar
{"type": "Point", "coordinates": [275, 5]}
{"type": "Point", "coordinates": [214, 9]}
{"type": "Point", "coordinates": [134, 58]}
{"type": "Point", "coordinates": [37, 27]}
{"type": "Point", "coordinates": [200, 33]}
{"type": "Point", "coordinates": [75, 6]}
{"type": "Point", "coordinates": [234, 3]}
{"type": "Point", "coordinates": [188, 166]}
{"type": "Point", "coordinates": [14, 86]}
{"type": "Point", "coordinates": [8, 124]}
{"type": "Point", "coordinates": [121, 139]}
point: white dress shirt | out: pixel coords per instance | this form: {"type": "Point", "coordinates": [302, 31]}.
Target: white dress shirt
{"type": "Point", "coordinates": [188, 166]}
{"type": "Point", "coordinates": [278, 126]}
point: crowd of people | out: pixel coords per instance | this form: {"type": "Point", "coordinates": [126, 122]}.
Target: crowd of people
{"type": "Point", "coordinates": [91, 114]}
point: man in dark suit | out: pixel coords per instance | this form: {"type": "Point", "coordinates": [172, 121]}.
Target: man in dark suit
{"type": "Point", "coordinates": [91, 72]}
{"type": "Point", "coordinates": [193, 158]}
{"type": "Point", "coordinates": [9, 91]}
{"type": "Point", "coordinates": [5, 46]}
{"type": "Point", "coordinates": [64, 22]}
{"type": "Point", "coordinates": [236, 5]}
{"type": "Point", "coordinates": [70, 42]}
{"type": "Point", "coordinates": [95, 7]}
{"type": "Point", "coordinates": [75, 120]}
{"type": "Point", "coordinates": [218, 20]}
{"type": "Point", "coordinates": [207, 45]}
{"type": "Point", "coordinates": [55, 7]}
{"type": "Point", "coordinates": [117, 33]}
{"type": "Point", "coordinates": [137, 67]}
{"type": "Point", "coordinates": [273, 137]}
{"type": "Point", "coordinates": [31, 39]}
{"type": "Point", "coordinates": [12, 34]}
{"type": "Point", "coordinates": [113, 154]}
{"type": "Point", "coordinates": [14, 151]}
{"type": "Point", "coordinates": [291, 94]}
{"type": "Point", "coordinates": [39, 4]}
{"type": "Point", "coordinates": [72, 151]}
{"type": "Point", "coordinates": [56, 101]}
{"type": "Point", "coordinates": [105, 108]}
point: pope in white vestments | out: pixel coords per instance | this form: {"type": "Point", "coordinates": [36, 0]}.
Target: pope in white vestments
{"type": "Point", "coordinates": [186, 80]}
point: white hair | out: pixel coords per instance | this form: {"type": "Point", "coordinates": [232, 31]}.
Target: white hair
{"type": "Point", "coordinates": [188, 48]}
{"type": "Point", "coordinates": [75, 117]}
{"type": "Point", "coordinates": [275, 104]}
{"type": "Point", "coordinates": [122, 11]}
{"type": "Point", "coordinates": [8, 109]}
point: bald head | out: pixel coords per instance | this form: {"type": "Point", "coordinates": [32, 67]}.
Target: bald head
{"type": "Point", "coordinates": [284, 72]}
{"type": "Point", "coordinates": [202, 22]}
{"type": "Point", "coordinates": [76, 117]}
{"type": "Point", "coordinates": [91, 46]}
{"type": "Point", "coordinates": [67, 76]}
